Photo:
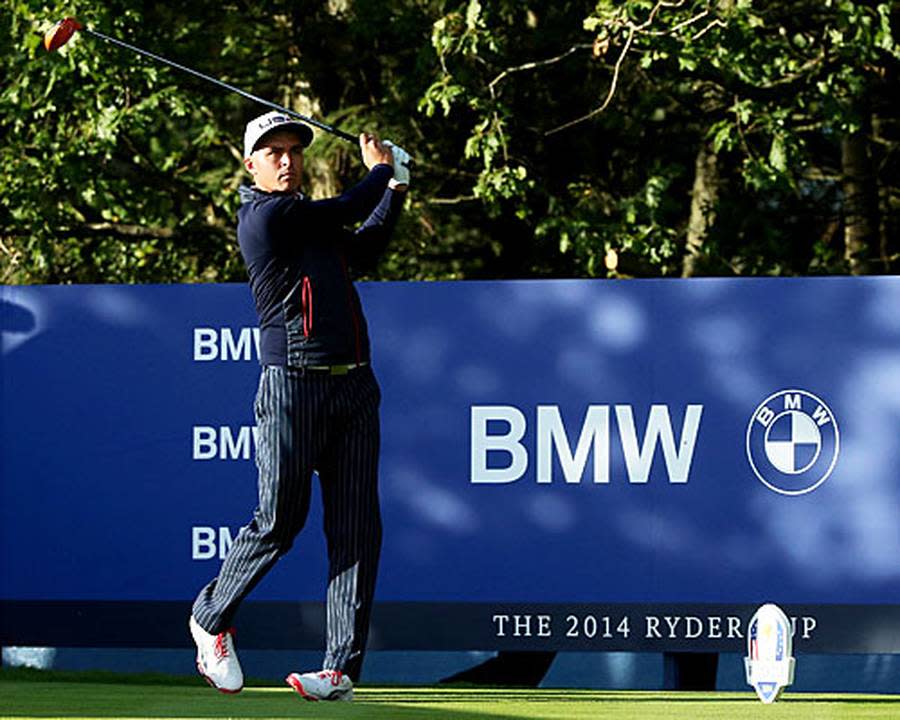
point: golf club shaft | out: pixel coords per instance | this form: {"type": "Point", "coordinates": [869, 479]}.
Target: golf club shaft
{"type": "Point", "coordinates": [323, 126]}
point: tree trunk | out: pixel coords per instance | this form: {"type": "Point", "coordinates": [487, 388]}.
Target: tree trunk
{"type": "Point", "coordinates": [704, 199]}
{"type": "Point", "coordinates": [860, 203]}
{"type": "Point", "coordinates": [320, 173]}
{"type": "Point", "coordinates": [883, 140]}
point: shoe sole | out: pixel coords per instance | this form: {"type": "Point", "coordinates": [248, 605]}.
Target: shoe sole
{"type": "Point", "coordinates": [210, 682]}
{"type": "Point", "coordinates": [199, 665]}
{"type": "Point", "coordinates": [297, 685]}
{"type": "Point", "coordinates": [206, 677]}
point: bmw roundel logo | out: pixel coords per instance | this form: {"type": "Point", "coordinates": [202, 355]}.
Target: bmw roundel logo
{"type": "Point", "coordinates": [793, 442]}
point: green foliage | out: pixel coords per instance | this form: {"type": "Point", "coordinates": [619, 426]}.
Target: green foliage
{"type": "Point", "coordinates": [773, 85]}
{"type": "Point", "coordinates": [115, 168]}
{"type": "Point", "coordinates": [111, 171]}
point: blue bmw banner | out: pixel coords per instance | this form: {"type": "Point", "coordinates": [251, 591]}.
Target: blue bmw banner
{"type": "Point", "coordinates": [640, 461]}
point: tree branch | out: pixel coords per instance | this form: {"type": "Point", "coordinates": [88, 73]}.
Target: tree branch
{"type": "Point", "coordinates": [633, 30]}
{"type": "Point", "coordinates": [609, 95]}
{"type": "Point", "coordinates": [732, 81]}
{"type": "Point", "coordinates": [796, 75]}
{"type": "Point", "coordinates": [710, 26]}
{"type": "Point", "coordinates": [536, 64]}
{"type": "Point", "coordinates": [451, 201]}
{"type": "Point", "coordinates": [659, 6]}
{"type": "Point", "coordinates": [685, 23]}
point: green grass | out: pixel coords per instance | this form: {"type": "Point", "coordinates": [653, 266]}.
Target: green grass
{"type": "Point", "coordinates": [34, 694]}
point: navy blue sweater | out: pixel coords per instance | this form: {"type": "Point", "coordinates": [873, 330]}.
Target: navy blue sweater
{"type": "Point", "coordinates": [297, 253]}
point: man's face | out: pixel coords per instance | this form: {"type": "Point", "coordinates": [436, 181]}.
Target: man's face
{"type": "Point", "coordinates": [277, 163]}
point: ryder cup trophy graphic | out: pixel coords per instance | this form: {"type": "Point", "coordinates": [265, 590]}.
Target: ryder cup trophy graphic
{"type": "Point", "coordinates": [769, 664]}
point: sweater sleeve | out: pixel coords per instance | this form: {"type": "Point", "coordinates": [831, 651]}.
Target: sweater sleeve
{"type": "Point", "coordinates": [371, 238]}
{"type": "Point", "coordinates": [350, 207]}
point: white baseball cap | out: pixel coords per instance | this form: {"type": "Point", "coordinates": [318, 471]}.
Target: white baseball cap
{"type": "Point", "coordinates": [271, 121]}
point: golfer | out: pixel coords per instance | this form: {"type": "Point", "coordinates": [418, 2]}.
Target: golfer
{"type": "Point", "coordinates": [317, 404]}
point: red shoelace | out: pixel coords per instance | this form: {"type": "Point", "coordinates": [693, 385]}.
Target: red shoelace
{"type": "Point", "coordinates": [221, 648]}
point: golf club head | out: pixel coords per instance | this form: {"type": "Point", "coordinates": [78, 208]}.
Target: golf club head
{"type": "Point", "coordinates": [59, 34]}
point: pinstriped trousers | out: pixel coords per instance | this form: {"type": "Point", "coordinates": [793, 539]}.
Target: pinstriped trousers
{"type": "Point", "coordinates": [305, 423]}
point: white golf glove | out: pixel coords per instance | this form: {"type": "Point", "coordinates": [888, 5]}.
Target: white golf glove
{"type": "Point", "coordinates": [401, 165]}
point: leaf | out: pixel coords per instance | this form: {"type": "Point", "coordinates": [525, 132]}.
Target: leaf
{"type": "Point", "coordinates": [744, 111]}
{"type": "Point", "coordinates": [777, 154]}
{"type": "Point", "coordinates": [473, 13]}
{"type": "Point", "coordinates": [722, 137]}
{"type": "Point", "coordinates": [884, 37]}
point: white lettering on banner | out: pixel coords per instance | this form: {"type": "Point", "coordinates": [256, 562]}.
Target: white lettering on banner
{"type": "Point", "coordinates": [659, 429]}
{"type": "Point", "coordinates": [500, 621]}
{"type": "Point", "coordinates": [522, 625]}
{"type": "Point", "coordinates": [809, 624]}
{"type": "Point", "coordinates": [594, 435]}
{"type": "Point", "coordinates": [691, 627]}
{"type": "Point", "coordinates": [208, 543]}
{"type": "Point", "coordinates": [552, 432]}
{"type": "Point", "coordinates": [220, 443]}
{"type": "Point", "coordinates": [820, 415]}
{"type": "Point", "coordinates": [220, 344]}
{"type": "Point", "coordinates": [510, 443]}
{"type": "Point", "coordinates": [543, 629]}
{"type": "Point", "coordinates": [601, 627]}
{"type": "Point", "coordinates": [765, 416]}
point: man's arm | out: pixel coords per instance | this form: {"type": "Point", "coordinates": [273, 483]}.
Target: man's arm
{"type": "Point", "coordinates": [371, 238]}
{"type": "Point", "coordinates": [356, 203]}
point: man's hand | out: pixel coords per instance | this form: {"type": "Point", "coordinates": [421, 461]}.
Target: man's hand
{"type": "Point", "coordinates": [400, 181]}
{"type": "Point", "coordinates": [374, 151]}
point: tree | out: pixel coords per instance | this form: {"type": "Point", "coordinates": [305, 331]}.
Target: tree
{"type": "Point", "coordinates": [119, 169]}
{"type": "Point", "coordinates": [763, 91]}
{"type": "Point", "coordinates": [638, 137]}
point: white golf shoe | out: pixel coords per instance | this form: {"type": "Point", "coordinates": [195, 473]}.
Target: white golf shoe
{"type": "Point", "coordinates": [217, 660]}
{"type": "Point", "coordinates": [322, 685]}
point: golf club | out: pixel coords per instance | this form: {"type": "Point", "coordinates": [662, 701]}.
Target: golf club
{"type": "Point", "coordinates": [62, 32]}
